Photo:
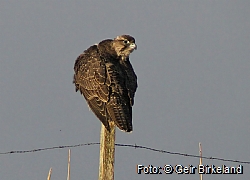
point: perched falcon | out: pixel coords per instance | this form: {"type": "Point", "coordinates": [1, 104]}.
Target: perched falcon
{"type": "Point", "coordinates": [105, 77]}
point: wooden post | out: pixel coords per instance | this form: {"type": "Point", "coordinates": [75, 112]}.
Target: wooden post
{"type": "Point", "coordinates": [107, 152]}
{"type": "Point", "coordinates": [68, 176]}
{"type": "Point", "coordinates": [200, 152]}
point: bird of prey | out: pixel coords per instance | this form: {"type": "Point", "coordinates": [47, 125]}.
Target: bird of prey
{"type": "Point", "coordinates": [106, 79]}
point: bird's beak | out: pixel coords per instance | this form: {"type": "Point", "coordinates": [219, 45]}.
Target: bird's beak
{"type": "Point", "coordinates": [133, 46]}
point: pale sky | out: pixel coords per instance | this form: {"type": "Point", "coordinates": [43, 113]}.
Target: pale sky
{"type": "Point", "coordinates": [193, 70]}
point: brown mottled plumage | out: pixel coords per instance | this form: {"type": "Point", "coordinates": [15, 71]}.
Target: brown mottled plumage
{"type": "Point", "coordinates": [105, 77]}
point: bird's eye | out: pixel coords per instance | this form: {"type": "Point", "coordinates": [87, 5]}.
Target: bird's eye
{"type": "Point", "coordinates": [125, 41]}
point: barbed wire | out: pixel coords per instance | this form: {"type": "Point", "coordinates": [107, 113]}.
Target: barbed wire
{"type": "Point", "coordinates": [125, 145]}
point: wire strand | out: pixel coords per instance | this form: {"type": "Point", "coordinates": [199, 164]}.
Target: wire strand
{"type": "Point", "coordinates": [124, 145]}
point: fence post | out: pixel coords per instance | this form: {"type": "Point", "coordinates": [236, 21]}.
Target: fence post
{"type": "Point", "coordinates": [68, 175]}
{"type": "Point", "coordinates": [200, 152]}
{"type": "Point", "coordinates": [107, 152]}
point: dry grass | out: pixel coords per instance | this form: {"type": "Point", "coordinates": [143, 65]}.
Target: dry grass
{"type": "Point", "coordinates": [68, 174]}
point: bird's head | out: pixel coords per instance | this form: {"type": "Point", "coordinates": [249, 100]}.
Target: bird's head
{"type": "Point", "coordinates": [124, 45]}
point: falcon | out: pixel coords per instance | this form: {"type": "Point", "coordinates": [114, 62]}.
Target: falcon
{"type": "Point", "coordinates": [106, 79]}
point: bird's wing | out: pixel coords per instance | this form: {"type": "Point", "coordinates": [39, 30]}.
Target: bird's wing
{"type": "Point", "coordinates": [118, 106]}
{"type": "Point", "coordinates": [131, 83]}
{"type": "Point", "coordinates": [92, 81]}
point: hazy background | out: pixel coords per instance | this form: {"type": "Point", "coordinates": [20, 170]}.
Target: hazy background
{"type": "Point", "coordinates": [193, 73]}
